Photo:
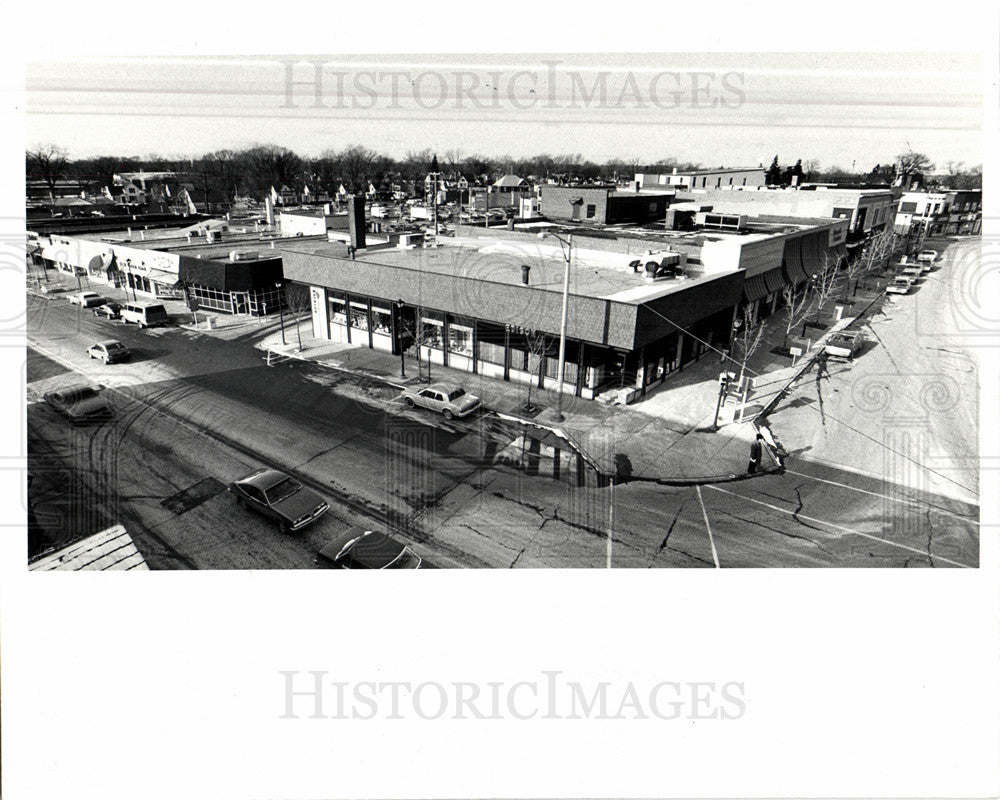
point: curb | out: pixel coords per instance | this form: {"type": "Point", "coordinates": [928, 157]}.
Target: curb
{"type": "Point", "coordinates": [806, 366]}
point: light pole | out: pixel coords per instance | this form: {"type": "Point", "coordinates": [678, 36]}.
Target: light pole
{"type": "Point", "coordinates": [281, 313]}
{"type": "Point", "coordinates": [399, 333]}
{"type": "Point", "coordinates": [568, 256]}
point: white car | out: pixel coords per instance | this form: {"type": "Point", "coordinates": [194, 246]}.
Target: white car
{"type": "Point", "coordinates": [844, 344]}
{"type": "Point", "coordinates": [927, 255]}
{"type": "Point", "coordinates": [449, 399]}
{"type": "Point", "coordinates": [900, 285]}
{"type": "Point", "coordinates": [87, 299]}
{"type": "Point", "coordinates": [914, 271]}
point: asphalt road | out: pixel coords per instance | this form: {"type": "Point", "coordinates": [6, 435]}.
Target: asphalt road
{"type": "Point", "coordinates": [195, 412]}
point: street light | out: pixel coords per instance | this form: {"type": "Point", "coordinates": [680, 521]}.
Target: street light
{"type": "Point", "coordinates": [399, 333]}
{"type": "Point", "coordinates": [568, 256]}
{"type": "Point", "coordinates": [281, 313]}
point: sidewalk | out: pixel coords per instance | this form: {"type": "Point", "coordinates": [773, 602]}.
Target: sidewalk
{"type": "Point", "coordinates": [667, 436]}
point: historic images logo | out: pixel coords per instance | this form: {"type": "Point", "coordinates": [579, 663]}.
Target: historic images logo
{"type": "Point", "coordinates": [321, 84]}
{"type": "Point", "coordinates": [316, 694]}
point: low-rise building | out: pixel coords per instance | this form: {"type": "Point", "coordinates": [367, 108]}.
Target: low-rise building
{"type": "Point", "coordinates": [940, 213]}
{"type": "Point", "coordinates": [867, 211]}
{"type": "Point", "coordinates": [604, 205]}
{"type": "Point", "coordinates": [687, 180]}
{"type": "Point", "coordinates": [642, 305]}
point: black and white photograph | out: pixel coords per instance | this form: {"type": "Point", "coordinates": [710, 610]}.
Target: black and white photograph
{"type": "Point", "coordinates": [624, 334]}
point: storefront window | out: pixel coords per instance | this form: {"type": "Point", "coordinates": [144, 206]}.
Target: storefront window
{"type": "Point", "coordinates": [359, 317]}
{"type": "Point", "coordinates": [460, 340]}
{"type": "Point", "coordinates": [432, 333]}
{"type": "Point", "coordinates": [381, 321]}
{"type": "Point", "coordinates": [338, 312]}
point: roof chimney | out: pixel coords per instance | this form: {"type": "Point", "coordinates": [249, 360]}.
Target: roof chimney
{"type": "Point", "coordinates": [525, 272]}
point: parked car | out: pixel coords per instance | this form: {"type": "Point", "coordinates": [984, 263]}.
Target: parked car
{"type": "Point", "coordinates": [927, 255]}
{"type": "Point", "coordinates": [110, 310]}
{"type": "Point", "coordinates": [109, 352]}
{"type": "Point", "coordinates": [145, 315]}
{"type": "Point", "coordinates": [87, 299]}
{"type": "Point", "coordinates": [78, 403]}
{"type": "Point", "coordinates": [900, 285]}
{"type": "Point", "coordinates": [450, 399]}
{"type": "Point", "coordinates": [844, 344]}
{"type": "Point", "coordinates": [357, 548]}
{"type": "Point", "coordinates": [913, 271]}
{"type": "Point", "coordinates": [280, 497]}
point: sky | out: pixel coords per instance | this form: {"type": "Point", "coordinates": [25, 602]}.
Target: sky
{"type": "Point", "coordinates": [845, 109]}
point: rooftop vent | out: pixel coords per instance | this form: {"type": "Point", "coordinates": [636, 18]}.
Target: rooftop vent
{"type": "Point", "coordinates": [724, 222]}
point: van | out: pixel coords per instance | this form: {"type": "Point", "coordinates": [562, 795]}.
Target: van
{"type": "Point", "coordinates": [145, 315]}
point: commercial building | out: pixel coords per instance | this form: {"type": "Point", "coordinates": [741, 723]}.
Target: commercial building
{"type": "Point", "coordinates": [687, 180]}
{"type": "Point", "coordinates": [940, 213]}
{"type": "Point", "coordinates": [642, 305]}
{"type": "Point", "coordinates": [234, 275]}
{"type": "Point", "coordinates": [604, 205]}
{"type": "Point", "coordinates": [866, 210]}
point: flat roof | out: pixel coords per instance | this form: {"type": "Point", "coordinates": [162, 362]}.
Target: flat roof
{"type": "Point", "coordinates": [500, 261]}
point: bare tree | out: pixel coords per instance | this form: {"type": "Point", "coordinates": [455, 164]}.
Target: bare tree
{"type": "Point", "coordinates": [796, 304]}
{"type": "Point", "coordinates": [824, 279]}
{"type": "Point", "coordinates": [48, 162]}
{"type": "Point", "coordinates": [539, 343]}
{"type": "Point", "coordinates": [874, 256]}
{"type": "Point", "coordinates": [747, 338]}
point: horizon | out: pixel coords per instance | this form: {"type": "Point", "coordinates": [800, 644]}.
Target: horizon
{"type": "Point", "coordinates": [843, 110]}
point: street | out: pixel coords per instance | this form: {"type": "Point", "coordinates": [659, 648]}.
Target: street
{"type": "Point", "coordinates": [881, 469]}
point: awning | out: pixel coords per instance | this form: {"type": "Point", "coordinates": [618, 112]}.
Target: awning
{"type": "Point", "coordinates": [754, 288]}
{"type": "Point", "coordinates": [164, 278]}
{"type": "Point", "coordinates": [791, 263]}
{"type": "Point", "coordinates": [775, 280]}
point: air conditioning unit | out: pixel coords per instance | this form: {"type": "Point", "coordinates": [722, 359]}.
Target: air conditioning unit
{"type": "Point", "coordinates": [243, 255]}
{"type": "Point", "coordinates": [722, 222]}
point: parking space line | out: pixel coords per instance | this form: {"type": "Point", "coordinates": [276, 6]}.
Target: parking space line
{"type": "Point", "coordinates": [800, 515]}
{"type": "Point", "coordinates": [704, 514]}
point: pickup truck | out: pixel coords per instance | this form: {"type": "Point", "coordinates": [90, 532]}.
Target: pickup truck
{"type": "Point", "coordinates": [844, 344]}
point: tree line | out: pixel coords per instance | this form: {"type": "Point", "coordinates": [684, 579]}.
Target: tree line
{"type": "Point", "coordinates": [225, 174]}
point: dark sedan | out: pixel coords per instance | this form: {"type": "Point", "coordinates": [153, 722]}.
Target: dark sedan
{"type": "Point", "coordinates": [109, 310]}
{"type": "Point", "coordinates": [279, 497]}
{"type": "Point", "coordinates": [79, 403]}
{"type": "Point", "coordinates": [357, 548]}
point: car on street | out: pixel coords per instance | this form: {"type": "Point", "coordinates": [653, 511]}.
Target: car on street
{"type": "Point", "coordinates": [280, 497]}
{"type": "Point", "coordinates": [449, 399]}
{"type": "Point", "coordinates": [109, 352]}
{"type": "Point", "coordinates": [913, 271]}
{"type": "Point", "coordinates": [78, 402]}
{"type": "Point", "coordinates": [87, 299]}
{"type": "Point", "coordinates": [145, 315]}
{"type": "Point", "coordinates": [844, 344]}
{"type": "Point", "coordinates": [927, 255]}
{"type": "Point", "coordinates": [109, 310]}
{"type": "Point", "coordinates": [900, 285]}
{"type": "Point", "coordinates": [357, 548]}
